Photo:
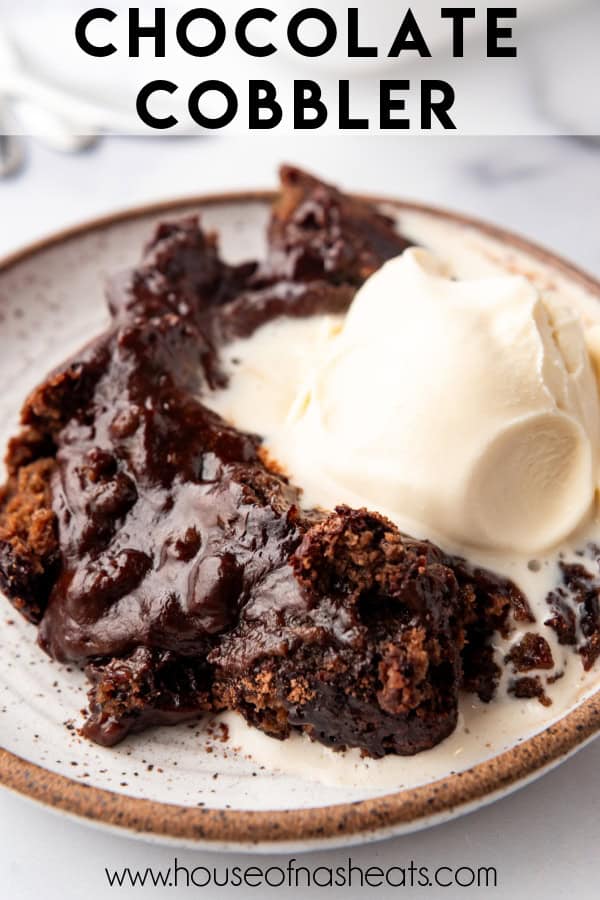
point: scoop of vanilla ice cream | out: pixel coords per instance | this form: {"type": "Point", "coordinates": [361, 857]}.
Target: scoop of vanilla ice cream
{"type": "Point", "coordinates": [470, 407]}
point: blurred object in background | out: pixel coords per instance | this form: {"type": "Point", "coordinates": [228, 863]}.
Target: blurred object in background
{"type": "Point", "coordinates": [30, 105]}
{"type": "Point", "coordinates": [12, 152]}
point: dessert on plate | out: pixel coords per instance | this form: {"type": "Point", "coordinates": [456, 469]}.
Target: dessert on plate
{"type": "Point", "coordinates": [333, 490]}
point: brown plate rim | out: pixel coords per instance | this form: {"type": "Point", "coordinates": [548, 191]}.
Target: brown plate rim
{"type": "Point", "coordinates": [341, 823]}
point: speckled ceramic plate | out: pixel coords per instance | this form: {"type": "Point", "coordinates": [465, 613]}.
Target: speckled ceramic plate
{"type": "Point", "coordinates": [184, 784]}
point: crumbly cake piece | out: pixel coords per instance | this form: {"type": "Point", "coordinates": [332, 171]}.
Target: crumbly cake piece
{"type": "Point", "coordinates": [582, 587]}
{"type": "Point", "coordinates": [490, 604]}
{"type": "Point", "coordinates": [145, 688]}
{"type": "Point", "coordinates": [158, 548]}
{"type": "Point", "coordinates": [530, 687]}
{"type": "Point", "coordinates": [317, 232]}
{"type": "Point", "coordinates": [362, 648]}
{"type": "Point", "coordinates": [532, 652]}
{"type": "Point", "coordinates": [28, 540]}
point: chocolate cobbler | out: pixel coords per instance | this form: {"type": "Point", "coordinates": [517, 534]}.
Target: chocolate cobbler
{"type": "Point", "coordinates": [161, 549]}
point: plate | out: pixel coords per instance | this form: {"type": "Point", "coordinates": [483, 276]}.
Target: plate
{"type": "Point", "coordinates": [187, 785]}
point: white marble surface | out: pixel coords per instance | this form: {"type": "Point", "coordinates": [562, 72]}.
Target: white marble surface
{"type": "Point", "coordinates": [542, 839]}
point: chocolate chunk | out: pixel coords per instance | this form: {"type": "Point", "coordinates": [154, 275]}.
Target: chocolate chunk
{"type": "Point", "coordinates": [530, 687]}
{"type": "Point", "coordinates": [532, 652]}
{"type": "Point", "coordinates": [582, 586]}
{"type": "Point", "coordinates": [563, 621]}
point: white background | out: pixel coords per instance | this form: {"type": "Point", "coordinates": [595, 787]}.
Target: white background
{"type": "Point", "coordinates": [542, 840]}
